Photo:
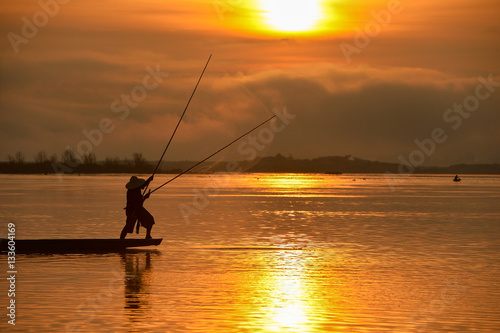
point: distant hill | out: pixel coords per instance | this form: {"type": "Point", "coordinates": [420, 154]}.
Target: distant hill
{"type": "Point", "coordinates": [329, 164]}
{"type": "Point", "coordinates": [349, 164]}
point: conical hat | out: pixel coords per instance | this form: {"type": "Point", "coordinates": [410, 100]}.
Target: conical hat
{"type": "Point", "coordinates": [135, 183]}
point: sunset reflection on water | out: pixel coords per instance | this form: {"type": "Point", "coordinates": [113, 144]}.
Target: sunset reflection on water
{"type": "Point", "coordinates": [286, 300]}
{"type": "Point", "coordinates": [264, 290]}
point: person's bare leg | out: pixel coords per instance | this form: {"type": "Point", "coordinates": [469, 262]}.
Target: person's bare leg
{"type": "Point", "coordinates": [123, 234]}
{"type": "Point", "coordinates": [148, 233]}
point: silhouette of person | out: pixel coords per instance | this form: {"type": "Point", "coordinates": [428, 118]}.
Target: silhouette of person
{"type": "Point", "coordinates": [457, 179]}
{"type": "Point", "coordinates": [135, 211]}
{"type": "Point", "coordinates": [136, 281]}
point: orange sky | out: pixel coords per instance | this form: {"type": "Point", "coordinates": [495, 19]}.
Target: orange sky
{"type": "Point", "coordinates": [369, 93]}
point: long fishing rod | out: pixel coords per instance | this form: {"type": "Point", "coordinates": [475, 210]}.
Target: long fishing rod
{"type": "Point", "coordinates": [218, 151]}
{"type": "Point", "coordinates": [178, 123]}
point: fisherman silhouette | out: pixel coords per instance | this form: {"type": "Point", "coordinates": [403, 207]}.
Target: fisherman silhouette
{"type": "Point", "coordinates": [135, 210]}
{"type": "Point", "coordinates": [457, 179]}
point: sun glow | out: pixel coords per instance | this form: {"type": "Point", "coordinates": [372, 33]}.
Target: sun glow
{"type": "Point", "coordinates": [292, 15]}
{"type": "Point", "coordinates": [285, 18]}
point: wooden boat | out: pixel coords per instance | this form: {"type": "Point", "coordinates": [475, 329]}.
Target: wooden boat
{"type": "Point", "coordinates": [75, 245]}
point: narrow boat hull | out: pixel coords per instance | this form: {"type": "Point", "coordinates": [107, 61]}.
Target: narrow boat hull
{"type": "Point", "coordinates": [75, 245]}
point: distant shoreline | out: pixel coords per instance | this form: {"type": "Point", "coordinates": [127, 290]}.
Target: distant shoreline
{"type": "Point", "coordinates": [273, 164]}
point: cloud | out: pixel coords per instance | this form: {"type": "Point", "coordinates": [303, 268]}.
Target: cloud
{"type": "Point", "coordinates": [379, 113]}
{"type": "Point", "coordinates": [376, 113]}
{"type": "Point", "coordinates": [368, 112]}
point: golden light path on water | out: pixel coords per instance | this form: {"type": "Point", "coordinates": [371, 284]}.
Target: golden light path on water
{"type": "Point", "coordinates": [270, 291]}
{"type": "Point", "coordinates": [293, 299]}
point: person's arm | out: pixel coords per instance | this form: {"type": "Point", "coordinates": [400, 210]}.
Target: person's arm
{"type": "Point", "coordinates": [146, 184]}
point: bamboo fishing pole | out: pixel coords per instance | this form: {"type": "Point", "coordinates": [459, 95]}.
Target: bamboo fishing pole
{"type": "Point", "coordinates": [218, 151]}
{"type": "Point", "coordinates": [178, 123]}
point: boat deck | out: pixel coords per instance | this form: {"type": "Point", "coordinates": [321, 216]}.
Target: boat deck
{"type": "Point", "coordinates": [75, 245]}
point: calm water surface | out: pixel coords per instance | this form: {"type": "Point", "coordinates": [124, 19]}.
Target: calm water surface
{"type": "Point", "coordinates": [261, 253]}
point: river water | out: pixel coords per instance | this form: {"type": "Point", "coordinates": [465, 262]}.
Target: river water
{"type": "Point", "coordinates": [260, 253]}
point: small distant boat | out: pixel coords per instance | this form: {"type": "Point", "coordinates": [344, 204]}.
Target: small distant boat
{"type": "Point", "coordinates": [76, 245]}
{"type": "Point", "coordinates": [456, 179]}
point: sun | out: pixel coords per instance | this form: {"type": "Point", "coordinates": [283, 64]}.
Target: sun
{"type": "Point", "coordinates": [285, 18]}
{"type": "Point", "coordinates": [291, 15]}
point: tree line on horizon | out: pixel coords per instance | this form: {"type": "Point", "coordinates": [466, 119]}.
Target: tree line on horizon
{"type": "Point", "coordinates": [69, 162]}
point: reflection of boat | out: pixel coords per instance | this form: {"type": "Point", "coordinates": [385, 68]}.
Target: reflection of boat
{"type": "Point", "coordinates": [74, 245]}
